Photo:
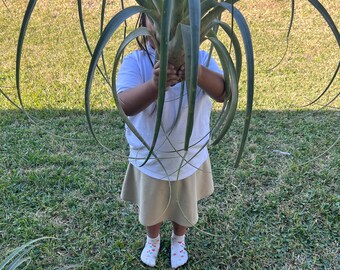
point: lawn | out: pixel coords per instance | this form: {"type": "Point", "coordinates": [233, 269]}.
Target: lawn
{"type": "Point", "coordinates": [279, 210]}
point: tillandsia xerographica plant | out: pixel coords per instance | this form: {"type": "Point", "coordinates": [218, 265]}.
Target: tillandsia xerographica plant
{"type": "Point", "coordinates": [180, 27]}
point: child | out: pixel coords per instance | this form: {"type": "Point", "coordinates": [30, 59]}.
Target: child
{"type": "Point", "coordinates": [153, 186]}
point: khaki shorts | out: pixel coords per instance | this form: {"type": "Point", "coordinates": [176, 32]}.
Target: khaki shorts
{"type": "Point", "coordinates": [160, 200]}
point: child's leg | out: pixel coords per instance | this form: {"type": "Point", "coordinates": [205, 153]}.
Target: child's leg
{"type": "Point", "coordinates": [153, 231]}
{"type": "Point", "coordinates": [179, 255]}
{"type": "Point", "coordinates": [179, 229]}
{"type": "Point", "coordinates": [152, 244]}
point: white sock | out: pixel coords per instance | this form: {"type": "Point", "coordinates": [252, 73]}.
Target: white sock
{"type": "Point", "coordinates": [179, 255]}
{"type": "Point", "coordinates": [150, 251]}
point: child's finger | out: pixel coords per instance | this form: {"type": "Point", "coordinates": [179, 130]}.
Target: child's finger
{"type": "Point", "coordinates": [181, 74]}
{"type": "Point", "coordinates": [172, 70]}
{"type": "Point", "coordinates": [172, 76]}
{"type": "Point", "coordinates": [156, 65]}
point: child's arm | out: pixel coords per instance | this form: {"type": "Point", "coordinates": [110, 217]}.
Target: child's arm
{"type": "Point", "coordinates": [137, 99]}
{"type": "Point", "coordinates": [211, 82]}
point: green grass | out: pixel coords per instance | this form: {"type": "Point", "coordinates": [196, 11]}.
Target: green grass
{"type": "Point", "coordinates": [274, 212]}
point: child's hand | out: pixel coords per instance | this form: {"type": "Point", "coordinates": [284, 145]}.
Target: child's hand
{"type": "Point", "coordinates": [172, 76]}
{"type": "Point", "coordinates": [181, 73]}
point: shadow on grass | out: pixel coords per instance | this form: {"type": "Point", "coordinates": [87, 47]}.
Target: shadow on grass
{"type": "Point", "coordinates": [269, 213]}
{"type": "Point", "coordinates": [290, 133]}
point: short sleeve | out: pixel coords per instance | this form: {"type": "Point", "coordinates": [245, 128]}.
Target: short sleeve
{"type": "Point", "coordinates": [212, 63]}
{"type": "Point", "coordinates": [129, 74]}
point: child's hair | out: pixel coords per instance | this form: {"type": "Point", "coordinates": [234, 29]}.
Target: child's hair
{"type": "Point", "coordinates": [142, 41]}
{"type": "Point", "coordinates": [141, 22]}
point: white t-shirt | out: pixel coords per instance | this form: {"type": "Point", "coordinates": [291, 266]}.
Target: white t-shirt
{"type": "Point", "coordinates": [137, 69]}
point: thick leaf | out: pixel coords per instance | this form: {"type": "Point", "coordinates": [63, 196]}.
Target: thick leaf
{"type": "Point", "coordinates": [176, 49]}
{"type": "Point", "coordinates": [20, 249]}
{"type": "Point", "coordinates": [83, 31]}
{"type": "Point", "coordinates": [102, 17]}
{"type": "Point", "coordinates": [229, 70]}
{"type": "Point", "coordinates": [327, 87]}
{"type": "Point", "coordinates": [24, 25]}
{"type": "Point", "coordinates": [195, 25]}
{"type": "Point", "coordinates": [164, 44]}
{"type": "Point", "coordinates": [142, 31]}
{"type": "Point", "coordinates": [288, 33]}
{"type": "Point", "coordinates": [236, 44]}
{"type": "Point", "coordinates": [238, 57]}
{"type": "Point", "coordinates": [11, 101]}
{"type": "Point", "coordinates": [248, 46]}
{"type": "Point", "coordinates": [159, 5]}
{"type": "Point", "coordinates": [125, 23]}
{"type": "Point", "coordinates": [207, 5]}
{"type": "Point", "coordinates": [82, 26]}
{"type": "Point", "coordinates": [181, 7]}
{"type": "Point", "coordinates": [209, 18]}
{"type": "Point", "coordinates": [109, 30]}
{"type": "Point", "coordinates": [20, 258]}
{"type": "Point", "coordinates": [185, 29]}
{"type": "Point", "coordinates": [148, 4]}
{"type": "Point", "coordinates": [335, 31]}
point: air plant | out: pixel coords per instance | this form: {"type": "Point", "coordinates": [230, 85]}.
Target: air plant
{"type": "Point", "coordinates": [180, 27]}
